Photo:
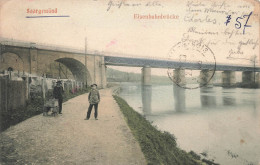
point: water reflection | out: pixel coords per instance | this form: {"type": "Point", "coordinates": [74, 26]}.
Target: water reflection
{"type": "Point", "coordinates": [146, 99]}
{"type": "Point", "coordinates": [228, 97]}
{"type": "Point", "coordinates": [179, 98]}
{"type": "Point", "coordinates": [155, 100]}
{"type": "Point", "coordinates": [227, 100]}
{"type": "Point", "coordinates": [207, 97]}
{"type": "Point", "coordinates": [232, 124]}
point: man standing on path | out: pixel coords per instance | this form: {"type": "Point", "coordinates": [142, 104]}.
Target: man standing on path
{"type": "Point", "coordinates": [57, 93]}
{"type": "Point", "coordinates": [94, 99]}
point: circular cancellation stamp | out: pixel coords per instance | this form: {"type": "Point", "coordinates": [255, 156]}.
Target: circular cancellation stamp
{"type": "Point", "coordinates": [186, 59]}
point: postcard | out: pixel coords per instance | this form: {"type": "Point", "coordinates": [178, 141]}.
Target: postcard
{"type": "Point", "coordinates": [190, 67]}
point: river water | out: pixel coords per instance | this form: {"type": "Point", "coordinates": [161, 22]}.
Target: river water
{"type": "Point", "coordinates": [223, 123]}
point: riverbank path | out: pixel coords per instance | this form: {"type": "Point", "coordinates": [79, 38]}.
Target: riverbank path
{"type": "Point", "coordinates": [69, 139]}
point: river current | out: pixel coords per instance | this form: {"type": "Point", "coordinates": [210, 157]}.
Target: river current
{"type": "Point", "coordinates": [221, 123]}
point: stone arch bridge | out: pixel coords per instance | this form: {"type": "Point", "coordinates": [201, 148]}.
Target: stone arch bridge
{"type": "Point", "coordinates": [87, 68]}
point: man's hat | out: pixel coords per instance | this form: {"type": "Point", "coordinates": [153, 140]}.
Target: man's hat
{"type": "Point", "coordinates": [93, 85]}
{"type": "Point", "coordinates": [58, 82]}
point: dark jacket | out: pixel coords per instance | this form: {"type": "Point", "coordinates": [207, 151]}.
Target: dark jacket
{"type": "Point", "coordinates": [57, 92]}
{"type": "Point", "coordinates": [93, 96]}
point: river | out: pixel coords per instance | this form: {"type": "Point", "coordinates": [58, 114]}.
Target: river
{"type": "Point", "coordinates": [222, 123]}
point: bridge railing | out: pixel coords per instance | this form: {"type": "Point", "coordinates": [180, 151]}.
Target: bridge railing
{"type": "Point", "coordinates": [20, 43]}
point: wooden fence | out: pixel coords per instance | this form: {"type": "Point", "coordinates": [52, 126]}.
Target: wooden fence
{"type": "Point", "coordinates": [13, 94]}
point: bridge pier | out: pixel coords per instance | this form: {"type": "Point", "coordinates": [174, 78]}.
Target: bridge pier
{"type": "Point", "coordinates": [97, 70]}
{"type": "Point", "coordinates": [248, 78]}
{"type": "Point", "coordinates": [103, 79]}
{"type": "Point", "coordinates": [33, 60]}
{"type": "Point", "coordinates": [179, 76]}
{"type": "Point", "coordinates": [146, 75]}
{"type": "Point", "coordinates": [206, 78]}
{"type": "Point", "coordinates": [228, 78]}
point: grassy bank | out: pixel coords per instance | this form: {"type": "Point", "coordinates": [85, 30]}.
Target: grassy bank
{"type": "Point", "coordinates": [158, 147]}
{"type": "Point", "coordinates": [32, 108]}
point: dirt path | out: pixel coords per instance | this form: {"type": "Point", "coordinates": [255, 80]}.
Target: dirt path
{"type": "Point", "coordinates": [69, 139]}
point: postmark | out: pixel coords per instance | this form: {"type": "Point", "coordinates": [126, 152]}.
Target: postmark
{"type": "Point", "coordinates": [195, 64]}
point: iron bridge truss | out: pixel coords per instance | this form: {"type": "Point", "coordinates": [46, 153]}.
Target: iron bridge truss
{"type": "Point", "coordinates": [157, 63]}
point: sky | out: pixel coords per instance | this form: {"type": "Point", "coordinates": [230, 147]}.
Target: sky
{"type": "Point", "coordinates": [109, 28]}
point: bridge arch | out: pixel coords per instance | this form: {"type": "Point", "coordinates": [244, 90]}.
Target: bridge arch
{"type": "Point", "coordinates": [10, 59]}
{"type": "Point", "coordinates": [78, 69]}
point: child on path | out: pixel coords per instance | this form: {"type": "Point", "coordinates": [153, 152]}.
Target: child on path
{"type": "Point", "coordinates": [94, 99]}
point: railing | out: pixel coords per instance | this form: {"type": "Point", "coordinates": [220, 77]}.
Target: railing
{"type": "Point", "coordinates": [20, 43]}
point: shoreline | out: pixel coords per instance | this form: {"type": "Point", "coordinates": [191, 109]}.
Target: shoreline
{"type": "Point", "coordinates": [175, 124]}
{"type": "Point", "coordinates": [158, 147]}
{"type": "Point", "coordinates": [237, 85]}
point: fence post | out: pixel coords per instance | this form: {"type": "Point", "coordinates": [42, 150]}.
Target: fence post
{"type": "Point", "coordinates": [3, 95]}
{"type": "Point", "coordinates": [6, 95]}
{"type": "Point", "coordinates": [43, 89]}
{"type": "Point", "coordinates": [27, 90]}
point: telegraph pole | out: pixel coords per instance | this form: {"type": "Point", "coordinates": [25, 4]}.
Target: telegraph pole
{"type": "Point", "coordinates": [86, 48]}
{"type": "Point", "coordinates": [254, 68]}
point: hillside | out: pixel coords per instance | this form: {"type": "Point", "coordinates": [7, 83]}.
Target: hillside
{"type": "Point", "coordinates": [120, 76]}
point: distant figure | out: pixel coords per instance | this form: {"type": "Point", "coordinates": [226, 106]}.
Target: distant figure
{"type": "Point", "coordinates": [94, 99]}
{"type": "Point", "coordinates": [57, 93]}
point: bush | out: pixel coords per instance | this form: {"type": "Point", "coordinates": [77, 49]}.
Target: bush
{"type": "Point", "coordinates": [33, 107]}
{"type": "Point", "coordinates": [14, 116]}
